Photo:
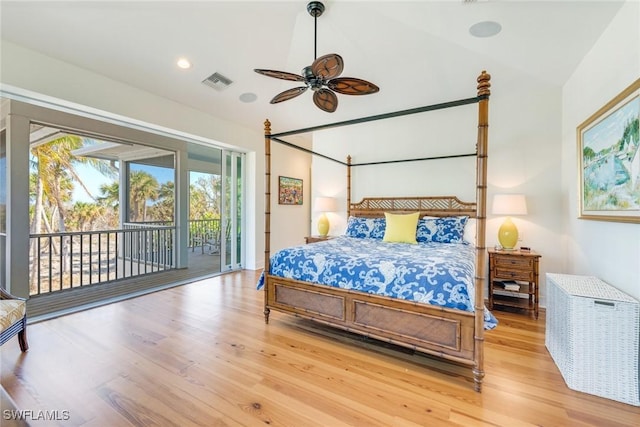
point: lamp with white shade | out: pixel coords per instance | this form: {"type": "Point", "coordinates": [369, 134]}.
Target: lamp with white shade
{"type": "Point", "coordinates": [324, 205]}
{"type": "Point", "coordinates": [509, 204]}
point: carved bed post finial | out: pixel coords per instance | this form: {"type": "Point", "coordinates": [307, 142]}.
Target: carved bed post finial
{"type": "Point", "coordinates": [484, 84]}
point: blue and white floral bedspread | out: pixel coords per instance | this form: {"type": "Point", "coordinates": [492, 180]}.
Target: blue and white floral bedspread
{"type": "Point", "coordinates": [433, 273]}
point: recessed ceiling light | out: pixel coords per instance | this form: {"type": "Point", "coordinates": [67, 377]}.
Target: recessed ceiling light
{"type": "Point", "coordinates": [485, 29]}
{"type": "Point", "coordinates": [183, 63]}
{"type": "Point", "coordinates": [248, 97]}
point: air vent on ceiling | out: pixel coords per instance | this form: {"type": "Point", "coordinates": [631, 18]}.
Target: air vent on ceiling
{"type": "Point", "coordinates": [217, 81]}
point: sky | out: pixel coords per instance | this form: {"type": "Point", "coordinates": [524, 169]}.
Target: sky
{"type": "Point", "coordinates": [94, 179]}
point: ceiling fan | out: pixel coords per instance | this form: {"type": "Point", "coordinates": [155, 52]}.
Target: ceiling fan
{"type": "Point", "coordinates": [321, 76]}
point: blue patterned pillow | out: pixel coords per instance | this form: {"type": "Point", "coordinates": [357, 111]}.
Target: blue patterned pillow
{"type": "Point", "coordinates": [442, 230]}
{"type": "Point", "coordinates": [365, 228]}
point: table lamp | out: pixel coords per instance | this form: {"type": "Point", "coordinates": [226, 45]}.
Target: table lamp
{"type": "Point", "coordinates": [508, 204]}
{"type": "Point", "coordinates": [324, 205]}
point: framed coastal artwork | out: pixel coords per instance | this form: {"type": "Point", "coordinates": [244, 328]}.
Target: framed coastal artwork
{"type": "Point", "coordinates": [289, 191]}
{"type": "Point", "coordinates": [609, 160]}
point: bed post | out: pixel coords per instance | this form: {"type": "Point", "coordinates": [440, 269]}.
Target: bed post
{"type": "Point", "coordinates": [481, 214]}
{"type": "Point", "coordinates": [267, 211]}
{"type": "Point", "coordinates": [348, 187]}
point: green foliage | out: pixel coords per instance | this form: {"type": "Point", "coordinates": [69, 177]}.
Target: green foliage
{"type": "Point", "coordinates": [54, 177]}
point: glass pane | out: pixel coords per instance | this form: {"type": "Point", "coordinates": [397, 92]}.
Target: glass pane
{"type": "Point", "coordinates": [151, 191]}
{"type": "Point", "coordinates": [239, 207]}
{"type": "Point", "coordinates": [3, 207]}
{"type": "Point", "coordinates": [205, 208]}
{"type": "Point", "coordinates": [228, 217]}
{"type": "Point", "coordinates": [204, 220]}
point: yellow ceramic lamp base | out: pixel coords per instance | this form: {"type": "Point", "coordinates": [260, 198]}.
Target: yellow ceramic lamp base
{"type": "Point", "coordinates": [508, 234]}
{"type": "Point", "coordinates": [323, 225]}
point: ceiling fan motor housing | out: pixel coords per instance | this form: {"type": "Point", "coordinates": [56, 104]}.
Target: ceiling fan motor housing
{"type": "Point", "coordinates": [311, 80]}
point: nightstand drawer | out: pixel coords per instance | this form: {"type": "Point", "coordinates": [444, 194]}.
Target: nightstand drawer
{"type": "Point", "coordinates": [514, 262]}
{"type": "Point", "coordinates": [526, 276]}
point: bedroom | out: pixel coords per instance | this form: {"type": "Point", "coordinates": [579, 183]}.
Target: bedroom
{"type": "Point", "coordinates": [533, 142]}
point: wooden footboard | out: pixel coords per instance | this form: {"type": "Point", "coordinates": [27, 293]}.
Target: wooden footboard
{"type": "Point", "coordinates": [439, 331]}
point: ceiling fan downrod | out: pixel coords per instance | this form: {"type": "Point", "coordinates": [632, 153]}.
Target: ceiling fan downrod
{"type": "Point", "coordinates": [315, 9]}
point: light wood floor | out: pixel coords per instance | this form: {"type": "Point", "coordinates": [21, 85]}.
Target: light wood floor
{"type": "Point", "coordinates": [201, 354]}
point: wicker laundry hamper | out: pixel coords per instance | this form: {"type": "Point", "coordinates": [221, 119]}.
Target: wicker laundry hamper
{"type": "Point", "coordinates": [592, 334]}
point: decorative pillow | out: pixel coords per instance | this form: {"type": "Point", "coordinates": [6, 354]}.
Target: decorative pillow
{"type": "Point", "coordinates": [470, 231]}
{"type": "Point", "coordinates": [442, 230]}
{"type": "Point", "coordinates": [401, 228]}
{"type": "Point", "coordinates": [365, 228]}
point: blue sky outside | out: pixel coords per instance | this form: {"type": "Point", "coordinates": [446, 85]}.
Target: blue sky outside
{"type": "Point", "coordinates": [93, 179]}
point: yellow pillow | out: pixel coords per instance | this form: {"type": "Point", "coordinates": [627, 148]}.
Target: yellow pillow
{"type": "Point", "coordinates": [401, 228]}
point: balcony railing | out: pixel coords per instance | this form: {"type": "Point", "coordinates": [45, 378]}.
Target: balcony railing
{"type": "Point", "coordinates": [73, 259]}
{"type": "Point", "coordinates": [68, 260]}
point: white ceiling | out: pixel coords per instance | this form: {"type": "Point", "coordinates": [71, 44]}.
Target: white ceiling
{"type": "Point", "coordinates": [418, 52]}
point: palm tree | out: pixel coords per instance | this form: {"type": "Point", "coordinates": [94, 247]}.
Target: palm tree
{"type": "Point", "coordinates": [163, 209]}
{"type": "Point", "coordinates": [54, 161]}
{"type": "Point", "coordinates": [143, 187]}
{"type": "Point", "coordinates": [83, 214]}
{"type": "Point", "coordinates": [55, 169]}
{"type": "Point", "coordinates": [109, 199]}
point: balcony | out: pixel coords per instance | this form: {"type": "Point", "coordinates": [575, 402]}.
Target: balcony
{"type": "Point", "coordinates": [61, 261]}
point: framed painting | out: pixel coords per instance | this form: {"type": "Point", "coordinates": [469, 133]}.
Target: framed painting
{"type": "Point", "coordinates": [609, 160]}
{"type": "Point", "coordinates": [289, 191]}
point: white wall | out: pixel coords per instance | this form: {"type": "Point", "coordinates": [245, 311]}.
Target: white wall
{"type": "Point", "coordinates": [43, 77]}
{"type": "Point", "coordinates": [608, 250]}
{"type": "Point", "coordinates": [289, 223]}
{"type": "Point", "coordinates": [524, 157]}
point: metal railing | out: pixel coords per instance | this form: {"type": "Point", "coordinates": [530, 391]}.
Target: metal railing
{"type": "Point", "coordinates": [68, 260]}
{"type": "Point", "coordinates": [204, 233]}
{"type": "Point", "coordinates": [73, 259]}
{"type": "Point", "coordinates": [201, 231]}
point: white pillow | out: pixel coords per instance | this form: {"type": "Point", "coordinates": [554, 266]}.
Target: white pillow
{"type": "Point", "coordinates": [470, 231]}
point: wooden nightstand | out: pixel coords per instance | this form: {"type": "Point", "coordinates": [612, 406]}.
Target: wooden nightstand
{"type": "Point", "coordinates": [314, 239]}
{"type": "Point", "coordinates": [519, 270]}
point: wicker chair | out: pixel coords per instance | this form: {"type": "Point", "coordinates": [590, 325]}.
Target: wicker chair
{"type": "Point", "coordinates": [13, 319]}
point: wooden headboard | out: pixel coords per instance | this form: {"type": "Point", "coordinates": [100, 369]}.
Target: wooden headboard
{"type": "Point", "coordinates": [427, 206]}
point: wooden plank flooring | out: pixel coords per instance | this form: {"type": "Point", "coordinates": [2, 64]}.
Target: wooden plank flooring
{"type": "Point", "coordinates": [201, 355]}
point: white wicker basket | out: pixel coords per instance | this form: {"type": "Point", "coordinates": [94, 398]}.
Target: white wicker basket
{"type": "Point", "coordinates": [593, 334]}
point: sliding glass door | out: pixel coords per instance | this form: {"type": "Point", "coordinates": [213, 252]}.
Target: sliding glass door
{"type": "Point", "coordinates": [233, 204]}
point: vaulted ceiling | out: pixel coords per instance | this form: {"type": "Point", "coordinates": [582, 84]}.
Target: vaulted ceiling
{"type": "Point", "coordinates": [418, 52]}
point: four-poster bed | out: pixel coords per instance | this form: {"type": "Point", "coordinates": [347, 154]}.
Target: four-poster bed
{"type": "Point", "coordinates": [455, 334]}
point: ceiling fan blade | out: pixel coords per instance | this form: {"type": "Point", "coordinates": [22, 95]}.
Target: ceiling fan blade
{"type": "Point", "coordinates": [280, 75]}
{"type": "Point", "coordinates": [288, 94]}
{"type": "Point", "coordinates": [328, 66]}
{"type": "Point", "coordinates": [325, 100]}
{"type": "Point", "coordinates": [352, 86]}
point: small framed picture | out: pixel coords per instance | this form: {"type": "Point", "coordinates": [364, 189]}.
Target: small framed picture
{"type": "Point", "coordinates": [289, 191]}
